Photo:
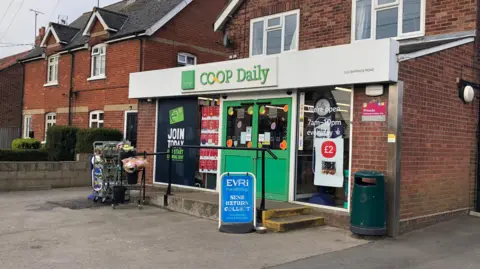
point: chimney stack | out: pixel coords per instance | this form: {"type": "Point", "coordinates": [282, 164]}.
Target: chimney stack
{"type": "Point", "coordinates": [41, 35]}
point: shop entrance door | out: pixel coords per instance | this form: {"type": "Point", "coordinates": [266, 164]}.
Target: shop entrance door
{"type": "Point", "coordinates": [262, 123]}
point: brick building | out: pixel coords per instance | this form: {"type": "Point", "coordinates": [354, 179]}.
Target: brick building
{"type": "Point", "coordinates": [11, 86]}
{"type": "Point", "coordinates": [79, 73]}
{"type": "Point", "coordinates": [374, 84]}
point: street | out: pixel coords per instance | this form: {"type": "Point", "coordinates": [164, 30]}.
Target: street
{"type": "Point", "coordinates": [38, 230]}
{"type": "Point", "coordinates": [60, 229]}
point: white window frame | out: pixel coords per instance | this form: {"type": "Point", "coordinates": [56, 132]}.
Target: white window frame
{"type": "Point", "coordinates": [186, 55]}
{"type": "Point", "coordinates": [27, 125]}
{"type": "Point", "coordinates": [52, 120]}
{"type": "Point", "coordinates": [376, 8]}
{"type": "Point", "coordinates": [98, 54]}
{"type": "Point", "coordinates": [281, 26]}
{"type": "Point", "coordinates": [54, 65]}
{"type": "Point", "coordinates": [96, 121]}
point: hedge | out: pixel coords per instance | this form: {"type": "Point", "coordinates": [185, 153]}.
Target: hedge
{"type": "Point", "coordinates": [24, 155]}
{"type": "Point", "coordinates": [86, 137]}
{"type": "Point", "coordinates": [25, 143]}
{"type": "Point", "coordinates": [61, 141]}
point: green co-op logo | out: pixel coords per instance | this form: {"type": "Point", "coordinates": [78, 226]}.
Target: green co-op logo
{"type": "Point", "coordinates": [176, 115]}
{"type": "Point", "coordinates": [225, 76]}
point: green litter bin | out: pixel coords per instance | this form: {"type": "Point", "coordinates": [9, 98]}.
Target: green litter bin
{"type": "Point", "coordinates": [368, 215]}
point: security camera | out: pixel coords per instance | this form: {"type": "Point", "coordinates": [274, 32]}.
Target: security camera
{"type": "Point", "coordinates": [224, 97]}
{"type": "Point", "coordinates": [289, 92]}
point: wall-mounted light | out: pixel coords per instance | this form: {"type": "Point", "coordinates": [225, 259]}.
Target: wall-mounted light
{"type": "Point", "coordinates": [466, 91]}
{"type": "Point", "coordinates": [467, 94]}
{"type": "Point", "coordinates": [374, 90]}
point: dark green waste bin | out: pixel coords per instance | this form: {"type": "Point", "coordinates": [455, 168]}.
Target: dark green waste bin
{"type": "Point", "coordinates": [368, 215]}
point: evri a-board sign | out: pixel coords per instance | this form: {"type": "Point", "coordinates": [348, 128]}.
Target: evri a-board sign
{"type": "Point", "coordinates": [237, 211]}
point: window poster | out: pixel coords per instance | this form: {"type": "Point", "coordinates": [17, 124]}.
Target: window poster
{"type": "Point", "coordinates": [328, 155]}
{"type": "Point", "coordinates": [177, 125]}
{"type": "Point", "coordinates": [209, 137]}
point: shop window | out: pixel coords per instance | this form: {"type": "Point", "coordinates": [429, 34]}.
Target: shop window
{"type": "Point", "coordinates": [27, 129]}
{"type": "Point", "coordinates": [188, 121]}
{"type": "Point", "coordinates": [324, 118]}
{"type": "Point", "coordinates": [185, 59]}
{"type": "Point", "coordinates": [274, 34]}
{"type": "Point", "coordinates": [99, 55]}
{"type": "Point", "coordinates": [96, 119]}
{"type": "Point", "coordinates": [209, 136]}
{"type": "Point", "coordinates": [50, 120]}
{"type": "Point", "coordinates": [377, 19]}
{"type": "Point", "coordinates": [52, 70]}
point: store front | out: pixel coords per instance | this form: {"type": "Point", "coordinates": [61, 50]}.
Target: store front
{"type": "Point", "coordinates": [298, 104]}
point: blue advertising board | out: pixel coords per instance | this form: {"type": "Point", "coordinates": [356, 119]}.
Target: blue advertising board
{"type": "Point", "coordinates": [237, 203]}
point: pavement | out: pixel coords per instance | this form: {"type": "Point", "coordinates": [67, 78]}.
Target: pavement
{"type": "Point", "coordinates": [453, 244]}
{"type": "Point", "coordinates": [61, 229]}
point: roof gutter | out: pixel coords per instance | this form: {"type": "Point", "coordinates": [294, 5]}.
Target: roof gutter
{"type": "Point", "coordinates": [125, 38]}
{"type": "Point", "coordinates": [85, 46]}
{"type": "Point", "coordinates": [226, 14]}
{"type": "Point", "coordinates": [33, 59]}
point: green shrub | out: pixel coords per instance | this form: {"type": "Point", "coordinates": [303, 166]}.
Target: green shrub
{"type": "Point", "coordinates": [23, 155]}
{"type": "Point", "coordinates": [25, 143]}
{"type": "Point", "coordinates": [86, 137]}
{"type": "Point", "coordinates": [61, 141]}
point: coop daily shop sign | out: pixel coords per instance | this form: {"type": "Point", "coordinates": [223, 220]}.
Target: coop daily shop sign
{"type": "Point", "coordinates": [240, 74]}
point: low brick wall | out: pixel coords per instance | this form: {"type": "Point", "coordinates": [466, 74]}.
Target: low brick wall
{"type": "Point", "coordinates": [17, 176]}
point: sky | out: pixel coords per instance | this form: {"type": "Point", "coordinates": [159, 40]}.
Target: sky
{"type": "Point", "coordinates": [17, 22]}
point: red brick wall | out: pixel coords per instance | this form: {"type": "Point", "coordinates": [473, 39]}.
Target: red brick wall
{"type": "Point", "coordinates": [97, 27]}
{"type": "Point", "coordinates": [439, 135]}
{"type": "Point", "coordinates": [11, 80]}
{"type": "Point", "coordinates": [369, 139]}
{"type": "Point", "coordinates": [447, 16]}
{"type": "Point", "coordinates": [160, 52]}
{"type": "Point", "coordinates": [146, 135]}
{"type": "Point", "coordinates": [36, 96]}
{"type": "Point", "coordinates": [122, 59]}
{"type": "Point", "coordinates": [194, 25]}
{"type": "Point", "coordinates": [322, 22]}
{"type": "Point", "coordinates": [51, 40]}
{"type": "Point", "coordinates": [328, 22]}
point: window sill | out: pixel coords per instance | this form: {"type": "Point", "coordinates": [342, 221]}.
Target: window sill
{"type": "Point", "coordinates": [398, 38]}
{"type": "Point", "coordinates": [50, 84]}
{"type": "Point", "coordinates": [96, 78]}
{"type": "Point", "coordinates": [276, 54]}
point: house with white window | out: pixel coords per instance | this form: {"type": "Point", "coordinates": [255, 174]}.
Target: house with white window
{"type": "Point", "coordinates": [332, 88]}
{"type": "Point", "coordinates": [78, 73]}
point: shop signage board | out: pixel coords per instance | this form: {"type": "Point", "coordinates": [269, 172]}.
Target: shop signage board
{"type": "Point", "coordinates": [364, 62]}
{"type": "Point", "coordinates": [374, 111]}
{"type": "Point", "coordinates": [231, 75]}
{"type": "Point", "coordinates": [237, 211]}
{"type": "Point", "coordinates": [177, 125]}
